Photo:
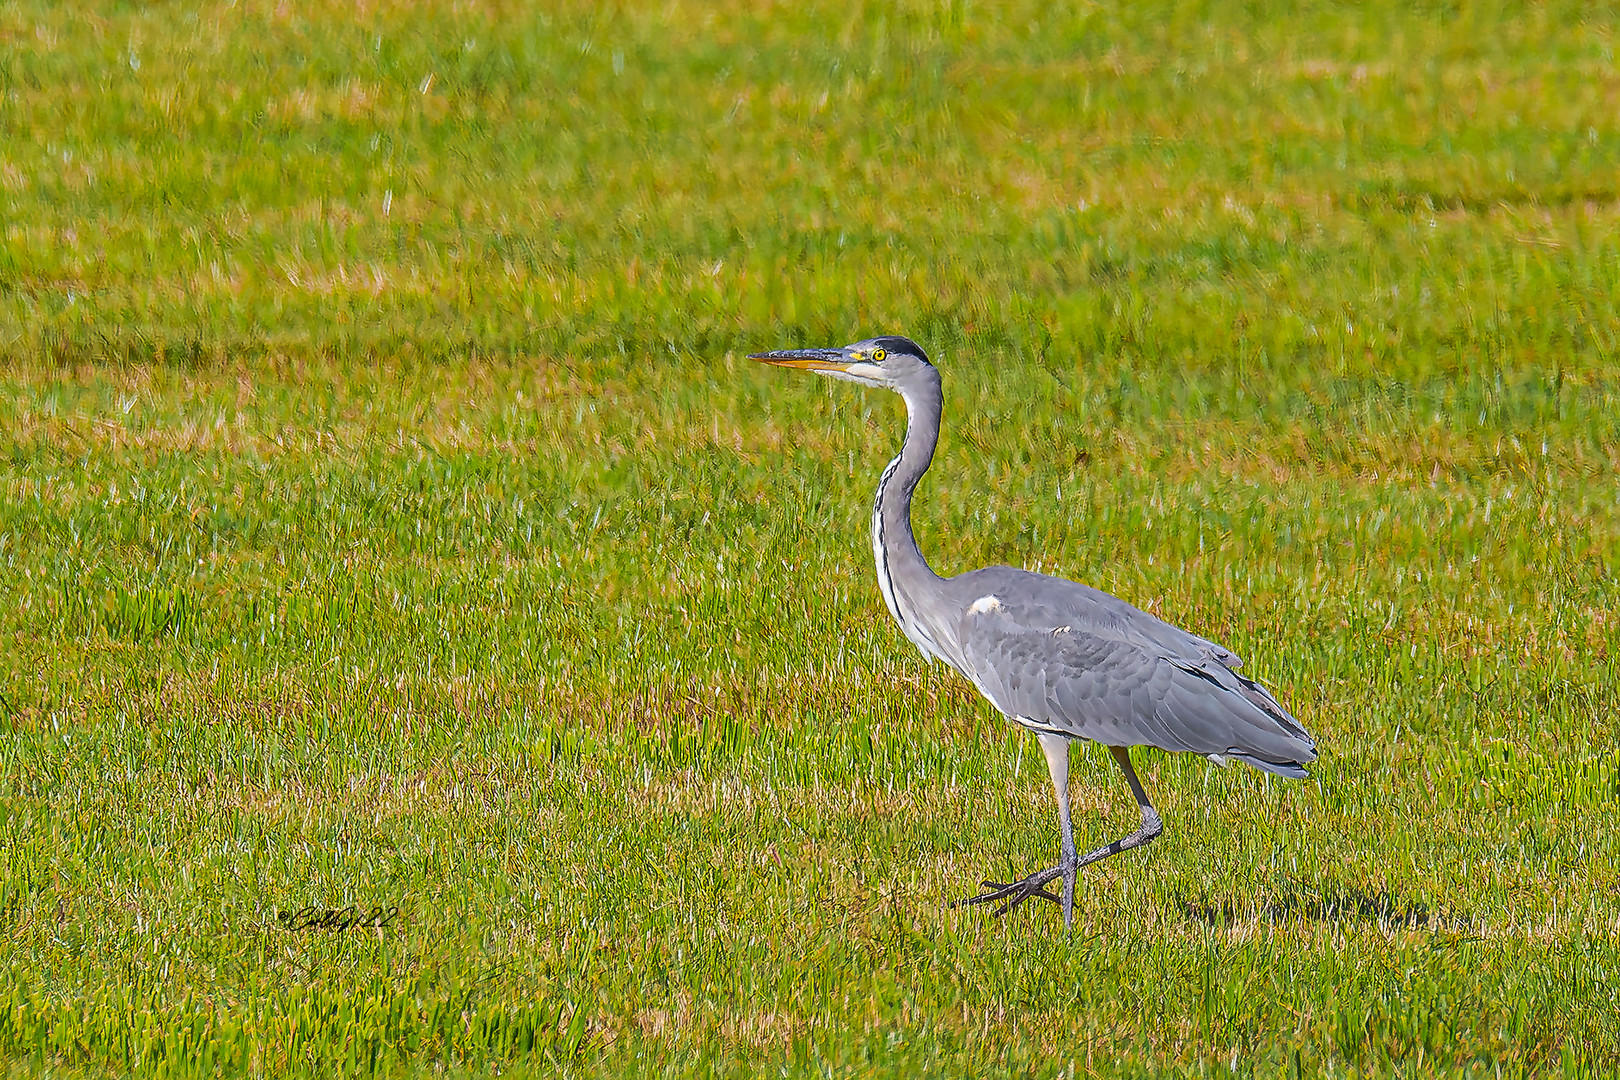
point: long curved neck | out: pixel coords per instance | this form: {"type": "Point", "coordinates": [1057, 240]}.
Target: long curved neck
{"type": "Point", "coordinates": [903, 573]}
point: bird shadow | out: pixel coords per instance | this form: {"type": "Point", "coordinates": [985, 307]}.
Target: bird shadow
{"type": "Point", "coordinates": [1351, 906]}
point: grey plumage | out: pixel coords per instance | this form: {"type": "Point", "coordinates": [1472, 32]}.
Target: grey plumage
{"type": "Point", "coordinates": [1062, 659]}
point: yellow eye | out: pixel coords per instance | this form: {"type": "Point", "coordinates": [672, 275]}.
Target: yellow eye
{"type": "Point", "coordinates": [878, 355]}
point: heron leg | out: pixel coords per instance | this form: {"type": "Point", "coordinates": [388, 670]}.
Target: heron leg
{"type": "Point", "coordinates": [1151, 827]}
{"type": "Point", "coordinates": [1014, 893]}
{"type": "Point", "coordinates": [1056, 749]}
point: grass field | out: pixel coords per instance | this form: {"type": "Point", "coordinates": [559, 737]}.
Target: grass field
{"type": "Point", "coordinates": [388, 518]}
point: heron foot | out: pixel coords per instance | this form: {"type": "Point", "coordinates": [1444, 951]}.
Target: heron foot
{"type": "Point", "coordinates": [1014, 893]}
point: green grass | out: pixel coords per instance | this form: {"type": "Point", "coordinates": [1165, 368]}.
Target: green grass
{"type": "Point", "coordinates": [388, 517]}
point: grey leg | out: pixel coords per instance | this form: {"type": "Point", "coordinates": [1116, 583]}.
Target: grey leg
{"type": "Point", "coordinates": [1015, 893]}
{"type": "Point", "coordinates": [1152, 826]}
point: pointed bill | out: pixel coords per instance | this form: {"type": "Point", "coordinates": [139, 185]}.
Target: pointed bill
{"type": "Point", "coordinates": [805, 359]}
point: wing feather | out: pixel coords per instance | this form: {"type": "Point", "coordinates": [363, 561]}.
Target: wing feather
{"type": "Point", "coordinates": [1063, 657]}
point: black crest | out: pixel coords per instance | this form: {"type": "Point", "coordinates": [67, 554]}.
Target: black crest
{"type": "Point", "coordinates": [901, 345]}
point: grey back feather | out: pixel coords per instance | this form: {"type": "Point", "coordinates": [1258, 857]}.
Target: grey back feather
{"type": "Point", "coordinates": [1061, 657]}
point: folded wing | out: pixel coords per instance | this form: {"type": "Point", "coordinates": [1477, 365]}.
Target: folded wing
{"type": "Point", "coordinates": [1061, 657]}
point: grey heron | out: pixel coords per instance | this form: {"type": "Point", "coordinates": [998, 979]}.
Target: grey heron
{"type": "Point", "coordinates": [1061, 659]}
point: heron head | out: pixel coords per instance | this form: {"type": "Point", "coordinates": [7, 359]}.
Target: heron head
{"type": "Point", "coordinates": [880, 361]}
